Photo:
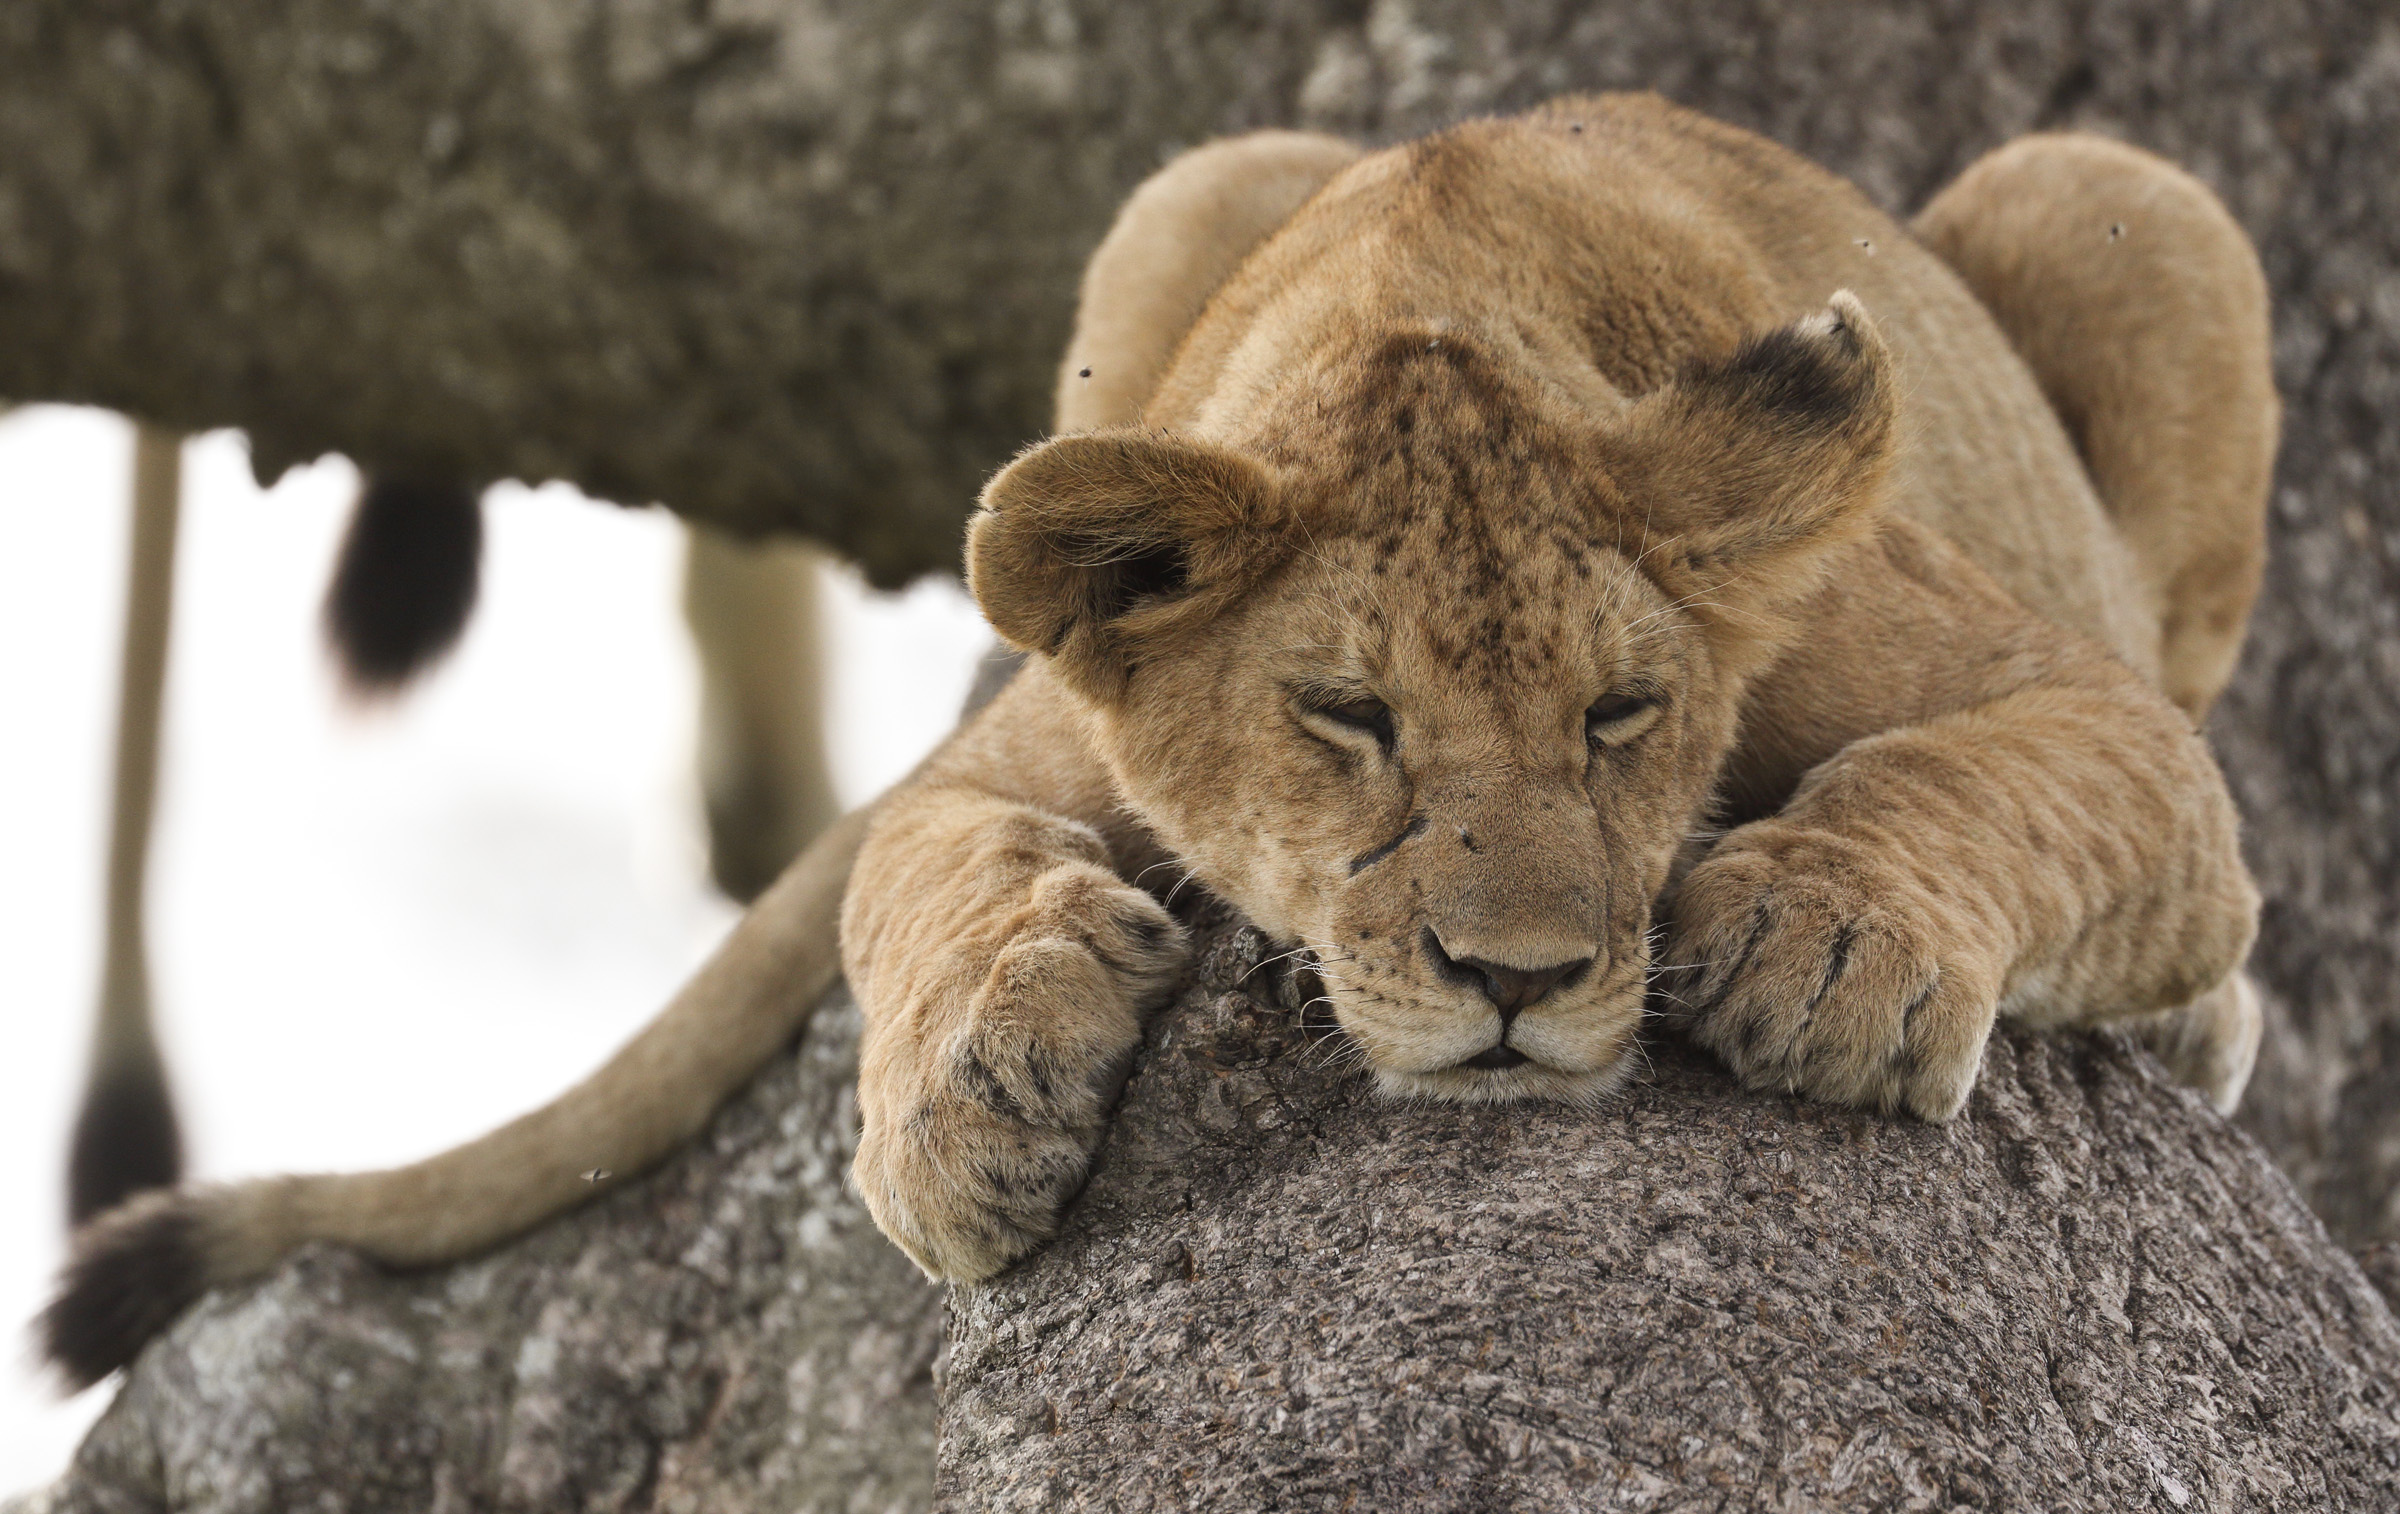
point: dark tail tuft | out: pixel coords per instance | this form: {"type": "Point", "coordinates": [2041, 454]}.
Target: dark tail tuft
{"type": "Point", "coordinates": [126, 1141]}
{"type": "Point", "coordinates": [134, 1270]}
{"type": "Point", "coordinates": [405, 581]}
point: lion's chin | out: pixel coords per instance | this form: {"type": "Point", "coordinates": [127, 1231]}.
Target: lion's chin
{"type": "Point", "coordinates": [1507, 1085]}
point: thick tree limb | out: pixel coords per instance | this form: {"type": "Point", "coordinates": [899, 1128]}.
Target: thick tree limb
{"type": "Point", "coordinates": [1280, 1292]}
{"type": "Point", "coordinates": [730, 1333]}
{"type": "Point", "coordinates": [799, 266]}
{"type": "Point", "coordinates": [2089, 1293]}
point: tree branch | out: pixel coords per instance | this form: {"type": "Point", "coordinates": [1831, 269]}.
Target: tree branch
{"type": "Point", "coordinates": [1280, 1291]}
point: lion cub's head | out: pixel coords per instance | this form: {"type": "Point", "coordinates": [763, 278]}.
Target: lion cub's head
{"type": "Point", "coordinates": [1430, 672]}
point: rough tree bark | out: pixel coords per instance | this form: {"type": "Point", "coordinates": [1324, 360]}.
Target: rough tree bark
{"type": "Point", "coordinates": [805, 265]}
{"type": "Point", "coordinates": [730, 1333]}
{"type": "Point", "coordinates": [1281, 1293]}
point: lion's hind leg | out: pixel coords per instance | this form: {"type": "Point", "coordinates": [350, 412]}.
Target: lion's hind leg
{"type": "Point", "coordinates": [2139, 305]}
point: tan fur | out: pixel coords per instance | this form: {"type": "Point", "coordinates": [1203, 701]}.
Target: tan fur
{"type": "Point", "coordinates": [1538, 494]}
{"type": "Point", "coordinates": [1186, 228]}
{"type": "Point", "coordinates": [2142, 311]}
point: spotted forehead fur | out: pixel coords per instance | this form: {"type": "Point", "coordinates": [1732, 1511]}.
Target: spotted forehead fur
{"type": "Point", "coordinates": [1571, 610]}
{"type": "Point", "coordinates": [1463, 495]}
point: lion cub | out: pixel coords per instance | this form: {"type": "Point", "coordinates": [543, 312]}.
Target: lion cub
{"type": "Point", "coordinates": [1563, 564]}
{"type": "Point", "coordinates": [1582, 560]}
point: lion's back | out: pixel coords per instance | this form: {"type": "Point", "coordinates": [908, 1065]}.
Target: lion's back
{"type": "Point", "coordinates": [1676, 235]}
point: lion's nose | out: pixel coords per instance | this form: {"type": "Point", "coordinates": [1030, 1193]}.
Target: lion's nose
{"type": "Point", "coordinates": [1509, 988]}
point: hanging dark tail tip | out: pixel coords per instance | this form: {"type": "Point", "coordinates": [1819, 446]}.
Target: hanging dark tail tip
{"type": "Point", "coordinates": [133, 1271]}
{"type": "Point", "coordinates": [125, 1142]}
{"type": "Point", "coordinates": [405, 581]}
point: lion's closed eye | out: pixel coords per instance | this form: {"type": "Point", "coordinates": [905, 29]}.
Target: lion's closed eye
{"type": "Point", "coordinates": [1347, 718]}
{"type": "Point", "coordinates": [1618, 717]}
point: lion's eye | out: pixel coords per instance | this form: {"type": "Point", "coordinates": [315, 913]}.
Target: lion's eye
{"type": "Point", "coordinates": [1363, 714]}
{"type": "Point", "coordinates": [1618, 717]}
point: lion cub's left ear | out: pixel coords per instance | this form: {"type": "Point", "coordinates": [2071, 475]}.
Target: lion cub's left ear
{"type": "Point", "coordinates": [1747, 471]}
{"type": "Point", "coordinates": [1092, 549]}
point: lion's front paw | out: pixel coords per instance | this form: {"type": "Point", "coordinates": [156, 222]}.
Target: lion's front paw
{"type": "Point", "coordinates": [1809, 966]}
{"type": "Point", "coordinates": [980, 1123]}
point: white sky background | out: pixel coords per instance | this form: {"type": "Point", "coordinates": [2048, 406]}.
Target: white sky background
{"type": "Point", "coordinates": [372, 935]}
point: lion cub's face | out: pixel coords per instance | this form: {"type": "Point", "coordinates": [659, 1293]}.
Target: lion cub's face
{"type": "Point", "coordinates": [1456, 769]}
{"type": "Point", "coordinates": [1435, 684]}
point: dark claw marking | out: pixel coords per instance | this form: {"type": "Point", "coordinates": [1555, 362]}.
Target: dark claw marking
{"type": "Point", "coordinates": [1007, 1243]}
{"type": "Point", "coordinates": [1043, 1185]}
{"type": "Point", "coordinates": [1713, 996]}
{"type": "Point", "coordinates": [1906, 1059]}
{"type": "Point", "coordinates": [1834, 969]}
{"type": "Point", "coordinates": [1148, 935]}
{"type": "Point", "coordinates": [987, 1089]}
{"type": "Point", "coordinates": [1752, 1025]}
{"type": "Point", "coordinates": [1908, 1017]}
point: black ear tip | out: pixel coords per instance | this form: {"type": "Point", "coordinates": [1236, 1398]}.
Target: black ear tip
{"type": "Point", "coordinates": [405, 581]}
{"type": "Point", "coordinates": [1817, 373]}
{"type": "Point", "coordinates": [133, 1272]}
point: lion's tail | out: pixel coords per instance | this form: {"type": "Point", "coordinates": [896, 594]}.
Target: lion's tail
{"type": "Point", "coordinates": [139, 1266]}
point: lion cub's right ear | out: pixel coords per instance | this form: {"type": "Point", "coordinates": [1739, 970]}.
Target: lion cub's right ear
{"type": "Point", "coordinates": [1090, 547]}
{"type": "Point", "coordinates": [1749, 470]}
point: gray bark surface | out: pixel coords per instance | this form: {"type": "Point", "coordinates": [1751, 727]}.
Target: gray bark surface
{"type": "Point", "coordinates": [1280, 1292]}
{"type": "Point", "coordinates": [806, 265]}
{"type": "Point", "coordinates": [729, 1333]}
